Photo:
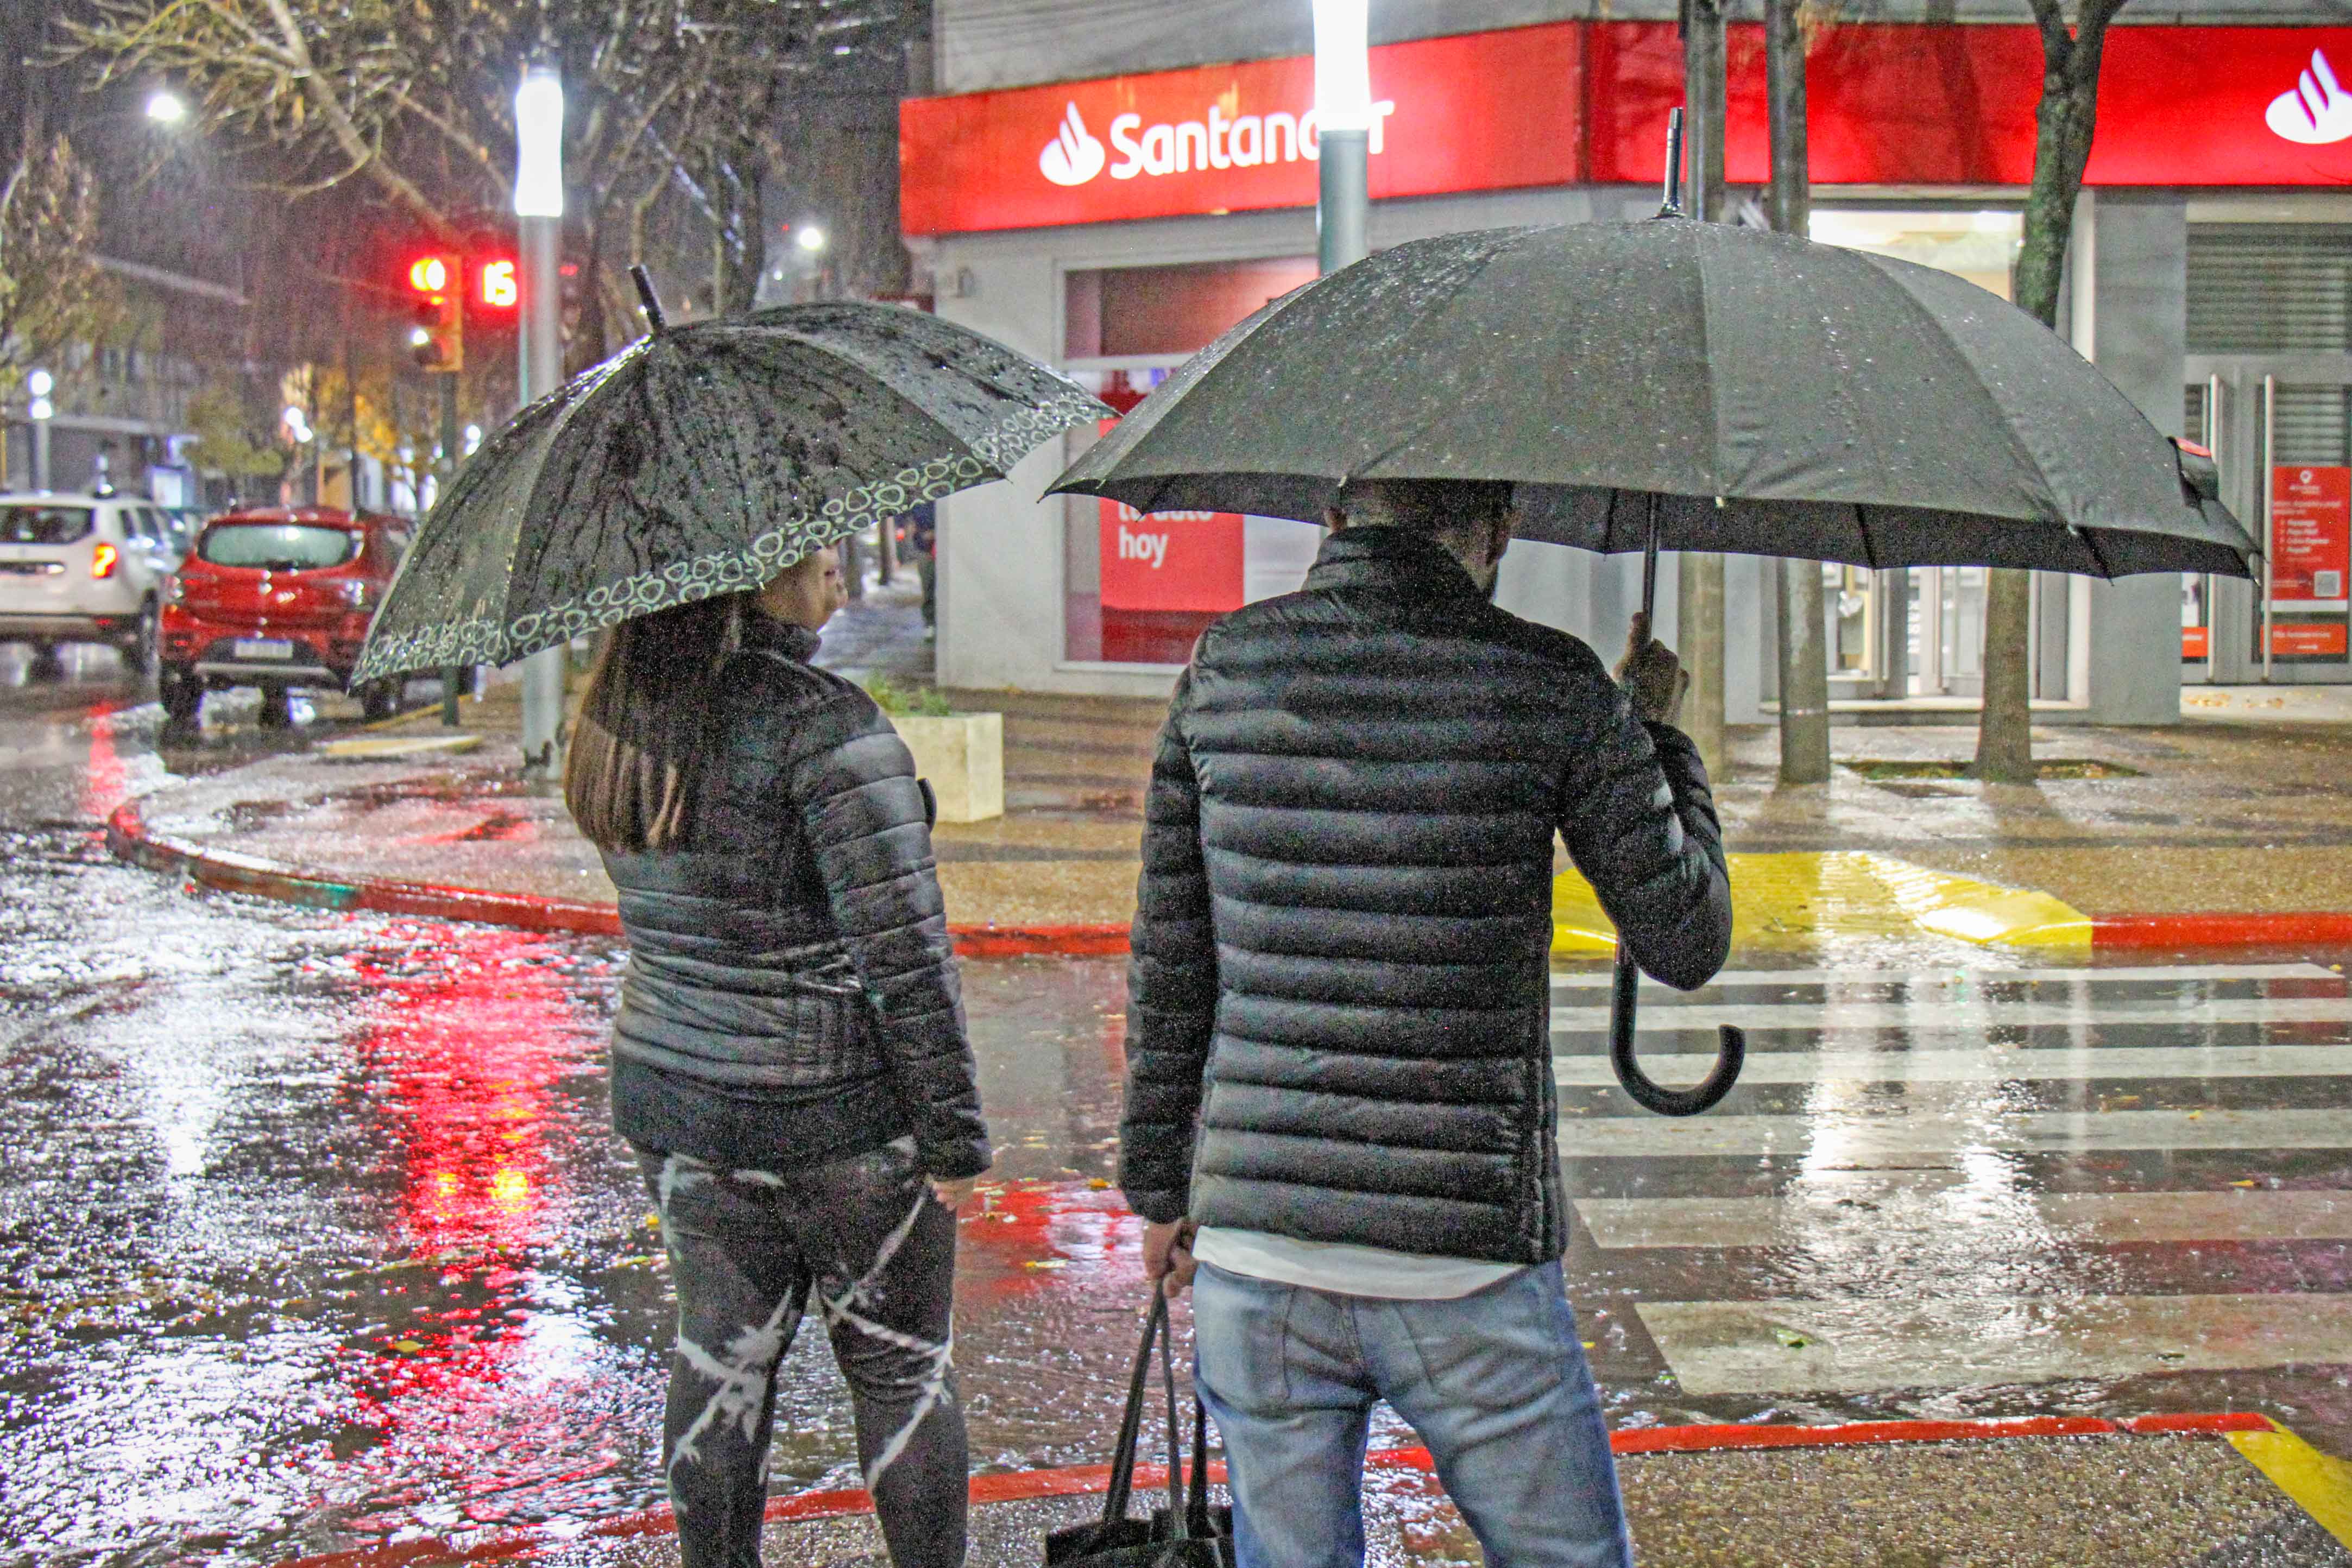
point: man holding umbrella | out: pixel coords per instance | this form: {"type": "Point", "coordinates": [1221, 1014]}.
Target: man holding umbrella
{"type": "Point", "coordinates": [1339, 1100]}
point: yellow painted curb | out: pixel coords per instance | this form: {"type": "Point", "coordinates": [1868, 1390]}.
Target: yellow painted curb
{"type": "Point", "coordinates": [1793, 899]}
{"type": "Point", "coordinates": [2320, 1484]}
{"type": "Point", "coordinates": [390, 747]}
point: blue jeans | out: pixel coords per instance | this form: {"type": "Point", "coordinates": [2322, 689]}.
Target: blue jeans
{"type": "Point", "coordinates": [1495, 1383]}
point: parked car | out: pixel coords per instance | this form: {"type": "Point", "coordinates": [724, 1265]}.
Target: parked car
{"type": "Point", "coordinates": [81, 568]}
{"type": "Point", "coordinates": [277, 598]}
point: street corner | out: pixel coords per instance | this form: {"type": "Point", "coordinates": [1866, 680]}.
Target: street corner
{"type": "Point", "coordinates": [2226, 1491]}
{"type": "Point", "coordinates": [1797, 900]}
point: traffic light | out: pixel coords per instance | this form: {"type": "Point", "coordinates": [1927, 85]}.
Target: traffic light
{"type": "Point", "coordinates": [437, 340]}
{"type": "Point", "coordinates": [496, 288]}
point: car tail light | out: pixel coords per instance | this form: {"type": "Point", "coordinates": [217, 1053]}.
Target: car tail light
{"type": "Point", "coordinates": [358, 593]}
{"type": "Point", "coordinates": [102, 559]}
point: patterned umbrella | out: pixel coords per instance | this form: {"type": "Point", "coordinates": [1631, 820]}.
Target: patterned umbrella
{"type": "Point", "coordinates": [705, 459]}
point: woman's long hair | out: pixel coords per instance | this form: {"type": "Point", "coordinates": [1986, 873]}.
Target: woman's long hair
{"type": "Point", "coordinates": [634, 772]}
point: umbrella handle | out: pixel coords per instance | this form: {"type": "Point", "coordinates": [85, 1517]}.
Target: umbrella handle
{"type": "Point", "coordinates": [1624, 997]}
{"type": "Point", "coordinates": [648, 298]}
{"type": "Point", "coordinates": [1730, 1056]}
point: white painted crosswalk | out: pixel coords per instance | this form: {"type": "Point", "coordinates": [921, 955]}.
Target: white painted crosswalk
{"type": "Point", "coordinates": [1967, 1186]}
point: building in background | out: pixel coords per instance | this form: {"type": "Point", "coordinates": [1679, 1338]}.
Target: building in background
{"type": "Point", "coordinates": [1110, 186]}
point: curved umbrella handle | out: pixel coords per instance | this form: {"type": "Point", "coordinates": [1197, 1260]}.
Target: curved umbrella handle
{"type": "Point", "coordinates": [1657, 1097]}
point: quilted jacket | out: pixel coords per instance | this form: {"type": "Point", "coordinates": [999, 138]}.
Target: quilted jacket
{"type": "Point", "coordinates": [791, 996]}
{"type": "Point", "coordinates": [1338, 1023]}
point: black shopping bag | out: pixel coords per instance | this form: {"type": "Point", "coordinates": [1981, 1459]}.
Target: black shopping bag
{"type": "Point", "coordinates": [1187, 1532]}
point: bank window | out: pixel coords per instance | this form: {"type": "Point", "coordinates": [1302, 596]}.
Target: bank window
{"type": "Point", "coordinates": [1139, 589]}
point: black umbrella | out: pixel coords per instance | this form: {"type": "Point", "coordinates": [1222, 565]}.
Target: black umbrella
{"type": "Point", "coordinates": [1686, 384]}
{"type": "Point", "coordinates": [705, 459]}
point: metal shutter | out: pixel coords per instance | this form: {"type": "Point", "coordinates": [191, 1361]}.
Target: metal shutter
{"type": "Point", "coordinates": [2283, 288]}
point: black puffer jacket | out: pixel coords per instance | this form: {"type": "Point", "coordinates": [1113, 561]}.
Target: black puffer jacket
{"type": "Point", "coordinates": [1346, 909]}
{"type": "Point", "coordinates": [791, 996]}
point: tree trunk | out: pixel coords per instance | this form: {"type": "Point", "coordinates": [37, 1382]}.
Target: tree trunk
{"type": "Point", "coordinates": [1803, 645]}
{"type": "Point", "coordinates": [1699, 582]}
{"type": "Point", "coordinates": [2063, 122]}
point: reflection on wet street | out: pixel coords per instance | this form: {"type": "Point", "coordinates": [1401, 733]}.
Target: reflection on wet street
{"type": "Point", "coordinates": [313, 1234]}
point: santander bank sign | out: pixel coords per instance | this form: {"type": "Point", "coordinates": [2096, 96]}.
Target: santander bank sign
{"type": "Point", "coordinates": [1469, 112]}
{"type": "Point", "coordinates": [1215, 140]}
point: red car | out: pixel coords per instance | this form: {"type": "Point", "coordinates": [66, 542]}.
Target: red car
{"type": "Point", "coordinates": [278, 598]}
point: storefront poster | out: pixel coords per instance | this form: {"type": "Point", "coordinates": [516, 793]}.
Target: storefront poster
{"type": "Point", "coordinates": [2311, 551]}
{"type": "Point", "coordinates": [1170, 560]}
{"type": "Point", "coordinates": [2307, 639]}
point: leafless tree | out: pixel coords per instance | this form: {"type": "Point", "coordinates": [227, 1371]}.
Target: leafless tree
{"type": "Point", "coordinates": [52, 291]}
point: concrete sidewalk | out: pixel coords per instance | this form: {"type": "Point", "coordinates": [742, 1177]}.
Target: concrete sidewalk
{"type": "Point", "coordinates": [2246, 815]}
{"type": "Point", "coordinates": [2195, 1493]}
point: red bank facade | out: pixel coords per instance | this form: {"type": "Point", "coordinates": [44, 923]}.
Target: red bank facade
{"type": "Point", "coordinates": [1113, 224]}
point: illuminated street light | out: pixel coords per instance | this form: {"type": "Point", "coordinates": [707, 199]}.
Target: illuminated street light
{"type": "Point", "coordinates": [297, 423]}
{"type": "Point", "coordinates": [473, 439]}
{"type": "Point", "coordinates": [809, 238]}
{"type": "Point", "coordinates": [539, 144]}
{"type": "Point", "coordinates": [165, 107]}
{"type": "Point", "coordinates": [539, 352]}
{"type": "Point", "coordinates": [38, 384]}
{"type": "Point", "coordinates": [1343, 122]}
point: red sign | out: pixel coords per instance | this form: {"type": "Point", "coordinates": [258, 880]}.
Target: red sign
{"type": "Point", "coordinates": [1473, 112]}
{"type": "Point", "coordinates": [2307, 639]}
{"type": "Point", "coordinates": [1170, 560]}
{"type": "Point", "coordinates": [2310, 548]}
{"type": "Point", "coordinates": [1585, 103]}
{"type": "Point", "coordinates": [2196, 642]}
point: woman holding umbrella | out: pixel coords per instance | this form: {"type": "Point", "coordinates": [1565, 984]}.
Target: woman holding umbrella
{"type": "Point", "coordinates": [789, 1061]}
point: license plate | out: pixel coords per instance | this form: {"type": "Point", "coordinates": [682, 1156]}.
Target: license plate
{"type": "Point", "coordinates": [31, 567]}
{"type": "Point", "coordinates": [264, 648]}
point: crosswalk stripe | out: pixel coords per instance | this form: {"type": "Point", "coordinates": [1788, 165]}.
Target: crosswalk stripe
{"type": "Point", "coordinates": [1957, 977]}
{"type": "Point", "coordinates": [1861, 1344]}
{"type": "Point", "coordinates": [1945, 1015]}
{"type": "Point", "coordinates": [1864, 1139]}
{"type": "Point", "coordinates": [1984, 1065]}
{"type": "Point", "coordinates": [1884, 1212]}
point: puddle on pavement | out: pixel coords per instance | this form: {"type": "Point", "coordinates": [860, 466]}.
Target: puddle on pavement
{"type": "Point", "coordinates": [313, 1234]}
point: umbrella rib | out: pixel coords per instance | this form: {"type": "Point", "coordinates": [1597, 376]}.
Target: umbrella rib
{"type": "Point", "coordinates": [2090, 543]}
{"type": "Point", "coordinates": [1862, 525]}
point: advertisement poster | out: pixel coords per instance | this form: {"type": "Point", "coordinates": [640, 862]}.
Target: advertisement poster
{"type": "Point", "coordinates": [2311, 556]}
{"type": "Point", "coordinates": [1170, 560]}
{"type": "Point", "coordinates": [2309, 553]}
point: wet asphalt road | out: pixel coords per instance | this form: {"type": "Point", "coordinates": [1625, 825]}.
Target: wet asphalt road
{"type": "Point", "coordinates": [312, 1236]}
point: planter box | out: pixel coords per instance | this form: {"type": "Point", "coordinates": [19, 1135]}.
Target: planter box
{"type": "Point", "coordinates": [962, 755]}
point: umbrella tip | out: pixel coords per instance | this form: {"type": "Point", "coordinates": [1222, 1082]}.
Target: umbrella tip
{"type": "Point", "coordinates": [648, 297]}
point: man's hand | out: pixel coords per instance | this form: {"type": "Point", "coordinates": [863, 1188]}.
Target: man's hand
{"type": "Point", "coordinates": [1652, 677]}
{"type": "Point", "coordinates": [1168, 1256]}
{"type": "Point", "coordinates": [954, 1194]}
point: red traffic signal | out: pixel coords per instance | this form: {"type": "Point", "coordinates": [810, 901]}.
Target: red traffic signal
{"type": "Point", "coordinates": [431, 275]}
{"type": "Point", "coordinates": [494, 287]}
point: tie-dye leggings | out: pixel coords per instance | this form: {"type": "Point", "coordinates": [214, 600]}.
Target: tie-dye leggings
{"type": "Point", "coordinates": [745, 1247]}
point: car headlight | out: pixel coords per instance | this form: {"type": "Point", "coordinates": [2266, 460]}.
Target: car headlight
{"type": "Point", "coordinates": [175, 590]}
{"type": "Point", "coordinates": [359, 594]}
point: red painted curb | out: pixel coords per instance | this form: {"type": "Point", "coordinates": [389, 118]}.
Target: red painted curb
{"type": "Point", "coordinates": [1087, 1479]}
{"type": "Point", "coordinates": [2219, 930]}
{"type": "Point", "coordinates": [128, 836]}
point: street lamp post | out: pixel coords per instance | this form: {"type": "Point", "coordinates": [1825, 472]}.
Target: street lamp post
{"type": "Point", "coordinates": [1343, 127]}
{"type": "Point", "coordinates": [539, 225]}
{"type": "Point", "coordinates": [38, 385]}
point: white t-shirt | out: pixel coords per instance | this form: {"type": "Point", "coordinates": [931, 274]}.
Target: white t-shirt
{"type": "Point", "coordinates": [1345, 1269]}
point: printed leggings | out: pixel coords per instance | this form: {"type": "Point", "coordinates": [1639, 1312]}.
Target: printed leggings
{"type": "Point", "coordinates": [745, 1249]}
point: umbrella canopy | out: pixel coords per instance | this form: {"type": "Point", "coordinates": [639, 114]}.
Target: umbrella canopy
{"type": "Point", "coordinates": [705, 459]}
{"type": "Point", "coordinates": [1751, 392]}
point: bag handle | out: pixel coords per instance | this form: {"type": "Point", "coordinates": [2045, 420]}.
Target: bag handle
{"type": "Point", "coordinates": [1130, 1424]}
{"type": "Point", "coordinates": [1188, 1507]}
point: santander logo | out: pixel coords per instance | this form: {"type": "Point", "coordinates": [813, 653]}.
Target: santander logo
{"type": "Point", "coordinates": [1074, 156]}
{"type": "Point", "coordinates": [2315, 111]}
{"type": "Point", "coordinates": [1215, 140]}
